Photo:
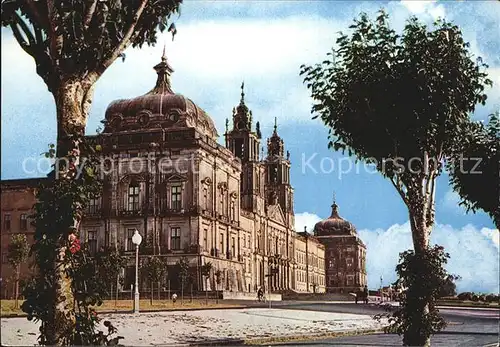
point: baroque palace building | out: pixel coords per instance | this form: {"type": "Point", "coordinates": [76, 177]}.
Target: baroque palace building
{"type": "Point", "coordinates": [189, 196]}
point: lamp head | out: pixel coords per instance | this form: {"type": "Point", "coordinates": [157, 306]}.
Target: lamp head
{"type": "Point", "coordinates": [136, 238]}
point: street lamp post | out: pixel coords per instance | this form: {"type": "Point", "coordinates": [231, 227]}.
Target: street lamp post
{"type": "Point", "coordinates": [381, 295]}
{"type": "Point", "coordinates": [136, 240]}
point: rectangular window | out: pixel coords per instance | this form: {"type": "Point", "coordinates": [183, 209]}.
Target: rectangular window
{"type": "Point", "coordinates": [6, 221]}
{"type": "Point", "coordinates": [176, 197]}
{"type": "Point", "coordinates": [233, 247]}
{"type": "Point", "coordinates": [23, 221]}
{"type": "Point", "coordinates": [233, 211]}
{"type": "Point", "coordinates": [205, 198]}
{"type": "Point", "coordinates": [107, 238]}
{"type": "Point", "coordinates": [129, 246]}
{"type": "Point", "coordinates": [349, 262]}
{"type": "Point", "coordinates": [175, 238]}
{"type": "Point", "coordinates": [221, 242]}
{"type": "Point", "coordinates": [93, 206]}
{"type": "Point", "coordinates": [133, 198]}
{"type": "Point", "coordinates": [92, 240]}
{"type": "Point", "coordinates": [221, 203]}
{"type": "Point", "coordinates": [330, 264]}
{"type": "Point", "coordinates": [350, 280]}
{"type": "Point", "coordinates": [205, 239]}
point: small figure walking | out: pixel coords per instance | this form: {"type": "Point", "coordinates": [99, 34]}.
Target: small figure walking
{"type": "Point", "coordinates": [260, 294]}
{"type": "Point", "coordinates": [174, 298]}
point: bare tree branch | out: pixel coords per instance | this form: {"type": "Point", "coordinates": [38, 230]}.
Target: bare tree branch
{"type": "Point", "coordinates": [35, 15]}
{"type": "Point", "coordinates": [56, 40]}
{"type": "Point", "coordinates": [397, 184]}
{"type": "Point", "coordinates": [22, 24]}
{"type": "Point", "coordinates": [20, 39]}
{"type": "Point", "coordinates": [89, 14]}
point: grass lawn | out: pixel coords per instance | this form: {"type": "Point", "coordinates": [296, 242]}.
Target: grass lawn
{"type": "Point", "coordinates": [127, 305]}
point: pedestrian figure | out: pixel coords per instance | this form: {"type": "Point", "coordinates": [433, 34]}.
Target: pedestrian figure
{"type": "Point", "coordinates": [365, 292]}
{"type": "Point", "coordinates": [174, 298]}
{"type": "Point", "coordinates": [260, 294]}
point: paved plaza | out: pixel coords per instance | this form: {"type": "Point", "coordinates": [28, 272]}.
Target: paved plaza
{"type": "Point", "coordinates": [177, 328]}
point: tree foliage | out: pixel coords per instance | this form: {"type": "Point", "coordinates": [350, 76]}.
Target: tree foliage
{"type": "Point", "coordinates": [474, 168]}
{"type": "Point", "coordinates": [17, 254]}
{"type": "Point", "coordinates": [73, 43]}
{"type": "Point", "coordinates": [17, 250]}
{"type": "Point", "coordinates": [110, 262]}
{"type": "Point", "coordinates": [422, 275]}
{"type": "Point", "coordinates": [154, 269]}
{"type": "Point", "coordinates": [79, 275]}
{"type": "Point", "coordinates": [401, 103]}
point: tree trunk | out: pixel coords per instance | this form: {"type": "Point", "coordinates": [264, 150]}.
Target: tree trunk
{"type": "Point", "coordinates": [72, 98]}
{"type": "Point", "coordinates": [421, 221]}
{"type": "Point", "coordinates": [116, 293]}
{"type": "Point", "coordinates": [18, 271]}
{"type": "Point", "coordinates": [182, 292]}
{"type": "Point", "coordinates": [152, 292]}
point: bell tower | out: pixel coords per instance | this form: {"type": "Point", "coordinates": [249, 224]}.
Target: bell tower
{"type": "Point", "coordinates": [244, 143]}
{"type": "Point", "coordinates": [278, 187]}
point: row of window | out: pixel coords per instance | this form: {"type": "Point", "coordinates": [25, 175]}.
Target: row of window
{"type": "Point", "coordinates": [7, 222]}
{"type": "Point", "coordinates": [348, 261]}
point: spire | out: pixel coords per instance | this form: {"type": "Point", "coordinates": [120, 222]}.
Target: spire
{"type": "Point", "coordinates": [164, 70]}
{"type": "Point", "coordinates": [242, 100]}
{"type": "Point", "coordinates": [275, 125]}
{"type": "Point", "coordinates": [335, 212]}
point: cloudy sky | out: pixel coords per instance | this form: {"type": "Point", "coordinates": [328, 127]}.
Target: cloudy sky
{"type": "Point", "coordinates": [221, 43]}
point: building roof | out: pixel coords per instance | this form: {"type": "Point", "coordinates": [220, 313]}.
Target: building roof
{"type": "Point", "coordinates": [159, 108]}
{"type": "Point", "coordinates": [21, 183]}
{"type": "Point", "coordinates": [334, 225]}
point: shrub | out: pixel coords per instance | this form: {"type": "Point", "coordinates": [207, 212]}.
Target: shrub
{"type": "Point", "coordinates": [490, 298]}
{"type": "Point", "coordinates": [465, 296]}
{"type": "Point", "coordinates": [475, 298]}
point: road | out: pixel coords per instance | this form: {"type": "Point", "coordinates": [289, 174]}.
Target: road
{"type": "Point", "coordinates": [467, 327]}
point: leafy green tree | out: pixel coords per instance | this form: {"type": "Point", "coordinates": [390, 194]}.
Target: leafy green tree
{"type": "Point", "coordinates": [218, 281]}
{"type": "Point", "coordinates": [206, 269]}
{"type": "Point", "coordinates": [400, 102]}
{"type": "Point", "coordinates": [425, 277]}
{"type": "Point", "coordinates": [110, 262]}
{"type": "Point", "coordinates": [448, 287]}
{"type": "Point", "coordinates": [73, 43]}
{"type": "Point", "coordinates": [183, 272]}
{"type": "Point", "coordinates": [474, 168]}
{"type": "Point", "coordinates": [17, 254]}
{"type": "Point", "coordinates": [154, 270]}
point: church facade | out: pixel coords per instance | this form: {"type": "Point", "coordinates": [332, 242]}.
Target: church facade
{"type": "Point", "coordinates": [190, 197]}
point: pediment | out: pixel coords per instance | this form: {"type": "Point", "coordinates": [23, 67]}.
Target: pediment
{"type": "Point", "coordinates": [175, 177]}
{"type": "Point", "coordinates": [275, 213]}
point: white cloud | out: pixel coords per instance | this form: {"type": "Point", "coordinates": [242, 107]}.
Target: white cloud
{"type": "Point", "coordinates": [473, 254]}
{"type": "Point", "coordinates": [423, 8]}
{"type": "Point", "coordinates": [306, 219]}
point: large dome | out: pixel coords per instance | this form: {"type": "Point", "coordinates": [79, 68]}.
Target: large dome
{"type": "Point", "coordinates": [334, 225]}
{"type": "Point", "coordinates": [159, 108]}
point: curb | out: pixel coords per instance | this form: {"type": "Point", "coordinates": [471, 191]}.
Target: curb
{"type": "Point", "coordinates": [286, 340]}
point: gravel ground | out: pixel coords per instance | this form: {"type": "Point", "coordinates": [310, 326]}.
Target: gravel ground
{"type": "Point", "coordinates": [146, 329]}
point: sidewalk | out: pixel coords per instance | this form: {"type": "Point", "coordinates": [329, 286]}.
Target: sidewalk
{"type": "Point", "coordinates": [181, 328]}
